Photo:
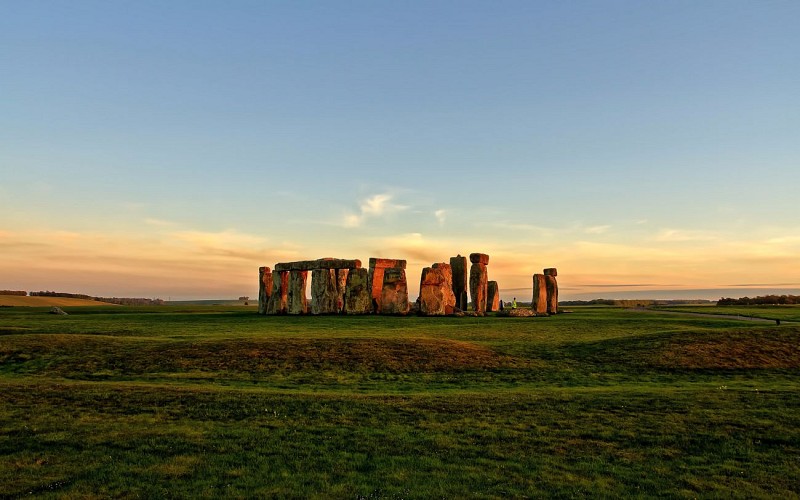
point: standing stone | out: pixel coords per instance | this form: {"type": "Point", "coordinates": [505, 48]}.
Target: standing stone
{"type": "Point", "coordinates": [376, 270]}
{"type": "Point", "coordinates": [478, 284]}
{"type": "Point", "coordinates": [341, 287]}
{"type": "Point", "coordinates": [492, 297]}
{"type": "Point", "coordinates": [552, 293]}
{"type": "Point", "coordinates": [358, 294]}
{"type": "Point", "coordinates": [324, 291]}
{"type": "Point", "coordinates": [394, 296]}
{"type": "Point", "coordinates": [264, 289]}
{"type": "Point", "coordinates": [436, 296]}
{"type": "Point", "coordinates": [458, 264]}
{"type": "Point", "coordinates": [539, 300]}
{"type": "Point", "coordinates": [297, 301]}
{"type": "Point", "coordinates": [278, 299]}
{"type": "Point", "coordinates": [551, 271]}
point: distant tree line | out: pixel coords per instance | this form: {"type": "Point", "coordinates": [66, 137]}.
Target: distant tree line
{"type": "Point", "coordinates": [21, 293]}
{"type": "Point", "coordinates": [60, 294]}
{"type": "Point", "coordinates": [123, 301]}
{"type": "Point", "coordinates": [128, 301]}
{"type": "Point", "coordinates": [760, 300]}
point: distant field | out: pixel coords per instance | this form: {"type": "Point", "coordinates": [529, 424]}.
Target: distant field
{"type": "Point", "coordinates": [786, 312]}
{"type": "Point", "coordinates": [188, 401]}
{"type": "Point", "coordinates": [20, 301]}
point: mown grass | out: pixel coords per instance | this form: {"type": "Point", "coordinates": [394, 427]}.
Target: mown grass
{"type": "Point", "coordinates": [220, 402]}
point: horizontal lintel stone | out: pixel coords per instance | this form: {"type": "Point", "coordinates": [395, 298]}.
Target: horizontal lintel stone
{"type": "Point", "coordinates": [479, 258]}
{"type": "Point", "coordinates": [310, 265]}
{"type": "Point", "coordinates": [375, 263]}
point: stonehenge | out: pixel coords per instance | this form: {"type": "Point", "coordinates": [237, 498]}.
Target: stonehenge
{"type": "Point", "coordinates": [394, 291]}
{"type": "Point", "coordinates": [342, 286]}
{"type": "Point", "coordinates": [436, 297]}
{"type": "Point", "coordinates": [458, 264]}
{"type": "Point", "coordinates": [264, 288]}
{"type": "Point", "coordinates": [552, 290]}
{"type": "Point", "coordinates": [478, 282]}
{"type": "Point", "coordinates": [358, 292]}
{"type": "Point", "coordinates": [492, 297]}
{"type": "Point", "coordinates": [539, 300]}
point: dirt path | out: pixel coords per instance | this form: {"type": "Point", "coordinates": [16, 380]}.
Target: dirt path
{"type": "Point", "coordinates": [707, 315]}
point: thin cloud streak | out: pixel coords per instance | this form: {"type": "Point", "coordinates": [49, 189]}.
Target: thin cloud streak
{"type": "Point", "coordinates": [375, 206]}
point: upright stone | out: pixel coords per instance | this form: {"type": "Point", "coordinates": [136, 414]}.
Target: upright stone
{"type": "Point", "coordinates": [324, 291]}
{"type": "Point", "coordinates": [376, 270]}
{"type": "Point", "coordinates": [297, 301]}
{"type": "Point", "coordinates": [552, 293]}
{"type": "Point", "coordinates": [394, 295]}
{"type": "Point", "coordinates": [341, 286]}
{"type": "Point", "coordinates": [436, 296]}
{"type": "Point", "coordinates": [358, 294]}
{"type": "Point", "coordinates": [458, 264]}
{"type": "Point", "coordinates": [492, 297]}
{"type": "Point", "coordinates": [264, 289]}
{"type": "Point", "coordinates": [478, 283]}
{"type": "Point", "coordinates": [551, 271]}
{"type": "Point", "coordinates": [539, 300]}
{"type": "Point", "coordinates": [278, 299]}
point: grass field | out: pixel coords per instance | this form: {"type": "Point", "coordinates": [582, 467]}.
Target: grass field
{"type": "Point", "coordinates": [220, 402]}
{"type": "Point", "coordinates": [773, 312]}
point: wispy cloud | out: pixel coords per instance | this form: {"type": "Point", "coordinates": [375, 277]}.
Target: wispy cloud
{"type": "Point", "coordinates": [441, 216]}
{"type": "Point", "coordinates": [684, 235]}
{"type": "Point", "coordinates": [597, 229]}
{"type": "Point", "coordinates": [375, 206]}
{"type": "Point", "coordinates": [159, 222]}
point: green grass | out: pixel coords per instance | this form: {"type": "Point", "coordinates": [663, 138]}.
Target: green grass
{"type": "Point", "coordinates": [773, 312]}
{"type": "Point", "coordinates": [220, 402]}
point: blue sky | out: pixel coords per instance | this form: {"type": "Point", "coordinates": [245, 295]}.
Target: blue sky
{"type": "Point", "coordinates": [170, 148]}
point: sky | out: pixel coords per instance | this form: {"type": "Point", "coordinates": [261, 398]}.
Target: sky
{"type": "Point", "coordinates": [169, 149]}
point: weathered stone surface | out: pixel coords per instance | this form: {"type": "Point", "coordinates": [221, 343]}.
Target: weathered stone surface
{"type": "Point", "coordinates": [539, 300]}
{"type": "Point", "coordinates": [324, 291]}
{"type": "Point", "coordinates": [552, 294]}
{"type": "Point", "coordinates": [478, 284]}
{"type": "Point", "coordinates": [551, 271]}
{"type": "Point", "coordinates": [278, 299]}
{"type": "Point", "coordinates": [297, 302]}
{"type": "Point", "coordinates": [376, 268]}
{"type": "Point", "coordinates": [458, 264]}
{"type": "Point", "coordinates": [394, 295]}
{"type": "Point", "coordinates": [357, 296]}
{"type": "Point", "coordinates": [376, 263]}
{"type": "Point", "coordinates": [492, 297]}
{"type": "Point", "coordinates": [59, 311]}
{"type": "Point", "coordinates": [264, 288]}
{"type": "Point", "coordinates": [436, 296]}
{"type": "Point", "coordinates": [479, 258]}
{"type": "Point", "coordinates": [310, 265]}
{"type": "Point", "coordinates": [341, 285]}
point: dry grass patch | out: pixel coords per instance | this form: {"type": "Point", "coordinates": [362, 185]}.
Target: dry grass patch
{"type": "Point", "coordinates": [382, 355]}
{"type": "Point", "coordinates": [763, 349]}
